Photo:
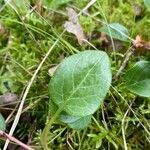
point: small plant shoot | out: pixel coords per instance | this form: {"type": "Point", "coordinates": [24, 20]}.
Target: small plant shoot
{"type": "Point", "coordinates": [77, 89]}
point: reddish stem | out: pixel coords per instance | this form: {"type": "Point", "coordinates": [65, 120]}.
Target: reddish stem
{"type": "Point", "coordinates": [11, 138]}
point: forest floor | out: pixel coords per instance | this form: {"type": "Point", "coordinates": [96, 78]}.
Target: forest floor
{"type": "Point", "coordinates": [34, 38]}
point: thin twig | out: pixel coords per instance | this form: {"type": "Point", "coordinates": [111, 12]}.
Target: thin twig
{"type": "Point", "coordinates": [14, 109]}
{"type": "Point", "coordinates": [13, 139]}
{"type": "Point", "coordinates": [87, 6]}
{"type": "Point", "coordinates": [90, 44]}
{"type": "Point", "coordinates": [123, 132]}
{"type": "Point", "coordinates": [124, 63]}
{"type": "Point", "coordinates": [103, 116]}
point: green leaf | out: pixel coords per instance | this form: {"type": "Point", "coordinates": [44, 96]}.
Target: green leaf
{"type": "Point", "coordinates": [138, 78]}
{"type": "Point", "coordinates": [81, 123]}
{"type": "Point", "coordinates": [55, 3]}
{"type": "Point", "coordinates": [2, 123]}
{"type": "Point", "coordinates": [147, 4]}
{"type": "Point", "coordinates": [64, 117]}
{"type": "Point", "coordinates": [75, 122]}
{"type": "Point", "coordinates": [116, 31]}
{"type": "Point", "coordinates": [81, 83]}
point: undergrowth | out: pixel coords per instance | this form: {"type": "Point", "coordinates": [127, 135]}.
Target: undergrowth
{"type": "Point", "coordinates": [25, 37]}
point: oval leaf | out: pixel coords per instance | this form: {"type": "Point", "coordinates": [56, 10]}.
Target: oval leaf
{"type": "Point", "coordinates": [2, 123]}
{"type": "Point", "coordinates": [138, 78]}
{"type": "Point", "coordinates": [81, 83]}
{"type": "Point", "coordinates": [116, 31]}
{"type": "Point", "coordinates": [147, 4]}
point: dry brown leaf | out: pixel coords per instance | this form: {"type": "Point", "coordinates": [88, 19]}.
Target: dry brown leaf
{"type": "Point", "coordinates": [103, 38]}
{"type": "Point", "coordinates": [106, 43]}
{"type": "Point", "coordinates": [8, 98]}
{"type": "Point", "coordinates": [141, 44]}
{"type": "Point", "coordinates": [2, 29]}
{"type": "Point", "coordinates": [147, 45]}
{"type": "Point", "coordinates": [38, 5]}
{"type": "Point", "coordinates": [138, 42]}
{"type": "Point", "coordinates": [73, 25]}
{"type": "Point", "coordinates": [52, 70]}
{"type": "Point", "coordinates": [72, 15]}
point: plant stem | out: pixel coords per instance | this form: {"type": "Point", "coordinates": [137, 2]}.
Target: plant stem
{"type": "Point", "coordinates": [44, 137]}
{"type": "Point", "coordinates": [124, 63]}
{"type": "Point", "coordinates": [11, 138]}
{"type": "Point", "coordinates": [123, 128]}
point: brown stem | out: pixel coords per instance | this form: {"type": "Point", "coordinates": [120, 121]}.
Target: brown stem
{"type": "Point", "coordinates": [124, 63]}
{"type": "Point", "coordinates": [11, 138]}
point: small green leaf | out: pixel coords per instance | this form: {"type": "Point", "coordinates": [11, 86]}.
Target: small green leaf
{"type": "Point", "coordinates": [81, 123]}
{"type": "Point", "coordinates": [81, 83]}
{"type": "Point", "coordinates": [55, 3]}
{"type": "Point", "coordinates": [73, 122]}
{"type": "Point", "coordinates": [2, 123]}
{"type": "Point", "coordinates": [138, 78]}
{"type": "Point", "coordinates": [116, 31]}
{"type": "Point", "coordinates": [64, 117]}
{"type": "Point", "coordinates": [147, 4]}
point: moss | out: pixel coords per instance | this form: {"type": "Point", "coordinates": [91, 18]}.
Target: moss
{"type": "Point", "coordinates": [142, 27]}
{"type": "Point", "coordinates": [123, 14]}
{"type": "Point", "coordinates": [87, 24]}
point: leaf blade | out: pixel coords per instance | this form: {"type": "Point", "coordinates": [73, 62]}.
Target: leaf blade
{"type": "Point", "coordinates": [147, 4]}
{"type": "Point", "coordinates": [116, 31]}
{"type": "Point", "coordinates": [2, 123]}
{"type": "Point", "coordinates": [138, 78]}
{"type": "Point", "coordinates": [77, 81]}
{"type": "Point", "coordinates": [81, 123]}
{"type": "Point", "coordinates": [73, 122]}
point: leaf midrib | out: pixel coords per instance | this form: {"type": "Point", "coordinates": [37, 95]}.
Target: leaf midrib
{"type": "Point", "coordinates": [135, 84]}
{"type": "Point", "coordinates": [67, 100]}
